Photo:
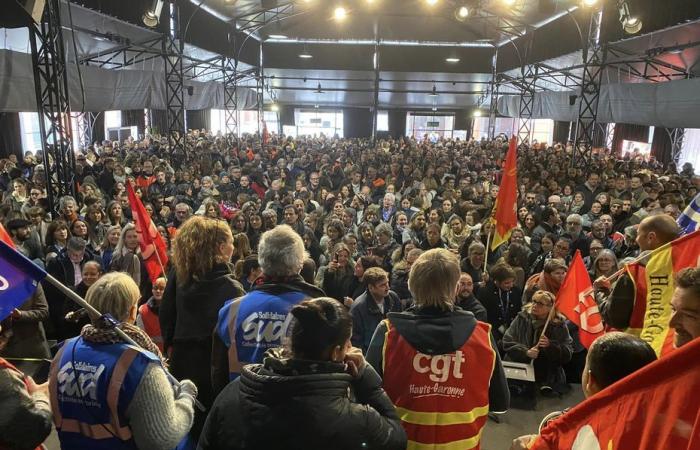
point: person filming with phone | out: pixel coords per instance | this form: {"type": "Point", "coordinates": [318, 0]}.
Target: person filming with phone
{"type": "Point", "coordinates": [300, 394]}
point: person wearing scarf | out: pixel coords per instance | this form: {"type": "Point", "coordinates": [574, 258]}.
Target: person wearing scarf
{"type": "Point", "coordinates": [454, 232]}
{"type": "Point", "coordinates": [151, 412]}
{"type": "Point", "coordinates": [550, 279]}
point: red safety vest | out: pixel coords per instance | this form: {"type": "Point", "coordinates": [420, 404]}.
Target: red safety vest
{"type": "Point", "coordinates": [442, 400]}
{"type": "Point", "coordinates": [151, 325]}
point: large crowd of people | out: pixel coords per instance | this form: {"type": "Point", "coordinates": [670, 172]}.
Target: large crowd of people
{"type": "Point", "coordinates": [292, 260]}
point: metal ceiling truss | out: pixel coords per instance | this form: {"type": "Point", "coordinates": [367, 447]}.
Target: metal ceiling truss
{"type": "Point", "coordinates": [53, 106]}
{"type": "Point", "coordinates": [593, 60]}
{"type": "Point", "coordinates": [172, 47]}
{"type": "Point", "coordinates": [493, 104]}
{"type": "Point", "coordinates": [253, 21]}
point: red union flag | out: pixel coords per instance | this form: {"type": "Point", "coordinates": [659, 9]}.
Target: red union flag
{"type": "Point", "coordinates": [652, 409]}
{"type": "Point", "coordinates": [506, 216]}
{"type": "Point", "coordinates": [575, 300]}
{"type": "Point", "coordinates": [153, 250]}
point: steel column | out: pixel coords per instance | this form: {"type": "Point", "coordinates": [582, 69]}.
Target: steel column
{"type": "Point", "coordinates": [375, 99]}
{"type": "Point", "coordinates": [230, 69]}
{"type": "Point", "coordinates": [593, 61]}
{"type": "Point", "coordinates": [493, 106]}
{"type": "Point", "coordinates": [260, 88]}
{"type": "Point", "coordinates": [53, 106]}
{"type": "Point", "coordinates": [527, 95]}
{"type": "Point", "coordinates": [174, 86]}
{"type": "Point", "coordinates": [677, 136]}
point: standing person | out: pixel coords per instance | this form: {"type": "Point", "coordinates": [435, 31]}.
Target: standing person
{"type": "Point", "coordinates": [198, 286]}
{"type": "Point", "coordinates": [370, 308]}
{"type": "Point", "coordinates": [299, 396]}
{"type": "Point", "coordinates": [127, 258]}
{"type": "Point", "coordinates": [25, 332]}
{"type": "Point", "coordinates": [106, 393]}
{"type": "Point", "coordinates": [249, 325]}
{"type": "Point", "coordinates": [147, 318]}
{"type": "Point", "coordinates": [434, 348]}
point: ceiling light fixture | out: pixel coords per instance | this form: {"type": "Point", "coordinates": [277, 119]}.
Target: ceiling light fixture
{"type": "Point", "coordinates": [340, 13]}
{"type": "Point", "coordinates": [630, 24]}
{"type": "Point", "coordinates": [277, 36]}
{"type": "Point", "coordinates": [477, 113]}
{"type": "Point", "coordinates": [589, 3]}
{"type": "Point", "coordinates": [305, 55]}
{"type": "Point", "coordinates": [151, 17]}
{"type": "Point", "coordinates": [433, 93]}
{"type": "Point", "coordinates": [452, 60]}
{"type": "Point", "coordinates": [461, 13]}
{"type": "Point", "coordinates": [509, 2]}
{"type": "Point", "coordinates": [431, 2]}
{"type": "Point", "coordinates": [274, 107]}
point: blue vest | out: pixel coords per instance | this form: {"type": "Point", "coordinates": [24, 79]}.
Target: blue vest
{"type": "Point", "coordinates": [262, 320]}
{"type": "Point", "coordinates": [91, 386]}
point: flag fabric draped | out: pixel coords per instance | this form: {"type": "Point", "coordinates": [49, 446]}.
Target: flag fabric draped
{"type": "Point", "coordinates": [19, 278]}
{"type": "Point", "coordinates": [689, 220]}
{"type": "Point", "coordinates": [654, 284]}
{"type": "Point", "coordinates": [265, 134]}
{"type": "Point", "coordinates": [575, 300]}
{"type": "Point", "coordinates": [153, 249]}
{"type": "Point", "coordinates": [506, 217]}
{"type": "Point", "coordinates": [5, 236]}
{"type": "Point", "coordinates": [654, 408]}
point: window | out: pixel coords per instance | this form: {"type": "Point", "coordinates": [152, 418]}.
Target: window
{"type": "Point", "coordinates": [690, 152]}
{"type": "Point", "coordinates": [315, 122]}
{"type": "Point", "coordinates": [383, 121]}
{"type": "Point", "coordinates": [113, 119]}
{"type": "Point", "coordinates": [542, 129]}
{"type": "Point", "coordinates": [432, 126]}
{"type": "Point", "coordinates": [29, 127]}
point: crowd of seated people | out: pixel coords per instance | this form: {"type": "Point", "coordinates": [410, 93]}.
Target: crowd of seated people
{"type": "Point", "coordinates": [255, 230]}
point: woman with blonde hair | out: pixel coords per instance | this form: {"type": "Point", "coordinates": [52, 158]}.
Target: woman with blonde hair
{"type": "Point", "coordinates": [200, 282]}
{"type": "Point", "coordinates": [127, 258]}
{"type": "Point", "coordinates": [147, 412]}
{"type": "Point", "coordinates": [526, 341]}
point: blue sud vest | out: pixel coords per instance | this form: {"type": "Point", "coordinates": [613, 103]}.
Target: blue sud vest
{"type": "Point", "coordinates": [91, 386]}
{"type": "Point", "coordinates": [260, 322]}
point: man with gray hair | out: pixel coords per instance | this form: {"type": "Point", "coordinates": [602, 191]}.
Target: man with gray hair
{"type": "Point", "coordinates": [249, 325]}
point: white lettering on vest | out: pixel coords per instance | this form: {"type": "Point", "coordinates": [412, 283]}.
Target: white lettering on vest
{"type": "Point", "coordinates": [86, 383]}
{"type": "Point", "coordinates": [264, 327]}
{"type": "Point", "coordinates": [440, 365]}
{"type": "Point", "coordinates": [4, 284]}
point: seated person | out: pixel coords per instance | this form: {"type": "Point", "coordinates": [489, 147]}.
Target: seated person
{"type": "Point", "coordinates": [611, 358]}
{"type": "Point", "coordinates": [501, 299]}
{"type": "Point", "coordinates": [524, 342]}
{"type": "Point", "coordinates": [299, 396]}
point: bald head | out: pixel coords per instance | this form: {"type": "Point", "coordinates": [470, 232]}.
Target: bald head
{"type": "Point", "coordinates": [657, 230]}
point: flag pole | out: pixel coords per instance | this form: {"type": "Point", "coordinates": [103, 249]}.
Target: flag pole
{"type": "Point", "coordinates": [488, 246]}
{"type": "Point", "coordinates": [550, 316]}
{"type": "Point", "coordinates": [638, 259]}
{"type": "Point", "coordinates": [95, 313]}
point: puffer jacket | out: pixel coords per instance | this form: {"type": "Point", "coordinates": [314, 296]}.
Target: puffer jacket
{"type": "Point", "coordinates": [296, 404]}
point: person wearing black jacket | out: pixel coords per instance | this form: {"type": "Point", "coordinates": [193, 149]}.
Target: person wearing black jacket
{"type": "Point", "coordinates": [299, 397]}
{"type": "Point", "coordinates": [502, 300]}
{"type": "Point", "coordinates": [198, 286]}
{"type": "Point", "coordinates": [466, 300]}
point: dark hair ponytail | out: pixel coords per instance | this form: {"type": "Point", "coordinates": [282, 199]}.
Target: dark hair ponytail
{"type": "Point", "coordinates": [319, 325]}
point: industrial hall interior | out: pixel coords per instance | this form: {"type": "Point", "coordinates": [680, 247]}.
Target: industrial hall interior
{"type": "Point", "coordinates": [350, 224]}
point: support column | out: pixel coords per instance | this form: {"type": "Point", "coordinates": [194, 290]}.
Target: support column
{"type": "Point", "coordinates": [593, 60]}
{"type": "Point", "coordinates": [53, 106]}
{"type": "Point", "coordinates": [261, 91]}
{"type": "Point", "coordinates": [493, 106]}
{"type": "Point", "coordinates": [174, 86]}
{"type": "Point", "coordinates": [229, 67]}
{"type": "Point", "coordinates": [527, 96]}
{"type": "Point", "coordinates": [375, 102]}
{"type": "Point", "coordinates": [677, 136]}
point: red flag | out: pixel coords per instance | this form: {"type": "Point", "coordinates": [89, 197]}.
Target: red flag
{"type": "Point", "coordinates": [265, 134]}
{"type": "Point", "coordinates": [651, 409]}
{"type": "Point", "coordinates": [506, 202]}
{"type": "Point", "coordinates": [153, 248]}
{"type": "Point", "coordinates": [5, 237]}
{"type": "Point", "coordinates": [575, 300]}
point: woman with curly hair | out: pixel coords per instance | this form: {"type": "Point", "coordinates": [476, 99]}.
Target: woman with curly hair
{"type": "Point", "coordinates": [199, 284]}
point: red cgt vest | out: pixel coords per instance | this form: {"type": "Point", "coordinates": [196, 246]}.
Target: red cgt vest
{"type": "Point", "coordinates": [442, 400]}
{"type": "Point", "coordinates": [151, 325]}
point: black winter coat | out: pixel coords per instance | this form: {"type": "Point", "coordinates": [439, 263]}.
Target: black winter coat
{"type": "Point", "coordinates": [295, 405]}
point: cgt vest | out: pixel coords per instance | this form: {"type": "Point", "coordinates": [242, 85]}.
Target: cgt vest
{"type": "Point", "coordinates": [91, 386]}
{"type": "Point", "coordinates": [442, 400]}
{"type": "Point", "coordinates": [151, 325]}
{"type": "Point", "coordinates": [259, 323]}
